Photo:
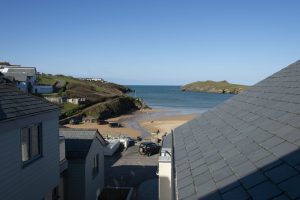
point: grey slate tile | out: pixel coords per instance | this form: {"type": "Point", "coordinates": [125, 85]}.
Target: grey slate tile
{"type": "Point", "coordinates": [291, 187]}
{"type": "Point", "coordinates": [202, 178]}
{"type": "Point", "coordinates": [268, 162]}
{"type": "Point", "coordinates": [228, 183]}
{"type": "Point", "coordinates": [281, 173]}
{"type": "Point", "coordinates": [281, 197]}
{"type": "Point", "coordinates": [283, 149]}
{"type": "Point", "coordinates": [271, 142]}
{"type": "Point", "coordinates": [258, 155]}
{"type": "Point", "coordinates": [199, 170]}
{"type": "Point", "coordinates": [205, 189]}
{"type": "Point", "coordinates": [252, 179]}
{"type": "Point", "coordinates": [265, 190]}
{"type": "Point", "coordinates": [244, 169]}
{"type": "Point", "coordinates": [184, 182]}
{"type": "Point", "coordinates": [186, 191]}
{"type": "Point", "coordinates": [236, 193]}
{"type": "Point", "coordinates": [221, 174]}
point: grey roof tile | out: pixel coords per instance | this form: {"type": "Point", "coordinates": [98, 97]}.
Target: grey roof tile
{"type": "Point", "coordinates": [249, 145]}
{"type": "Point", "coordinates": [202, 178]}
{"type": "Point", "coordinates": [283, 149]}
{"type": "Point", "coordinates": [271, 142]}
{"type": "Point", "coordinates": [186, 191]}
{"type": "Point", "coordinates": [281, 197]}
{"type": "Point", "coordinates": [281, 173]}
{"type": "Point", "coordinates": [265, 190]}
{"type": "Point", "coordinates": [184, 182]}
{"type": "Point", "coordinates": [291, 187]}
{"type": "Point", "coordinates": [252, 180]}
{"type": "Point", "coordinates": [15, 104]}
{"type": "Point", "coordinates": [244, 169]}
{"type": "Point", "coordinates": [222, 173]}
{"type": "Point", "coordinates": [228, 183]}
{"type": "Point", "coordinates": [236, 193]}
{"type": "Point", "coordinates": [205, 189]}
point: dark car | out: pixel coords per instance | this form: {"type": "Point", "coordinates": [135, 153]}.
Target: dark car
{"type": "Point", "coordinates": [75, 120]}
{"type": "Point", "coordinates": [102, 122]}
{"type": "Point", "coordinates": [114, 125]}
{"type": "Point", "coordinates": [148, 148]}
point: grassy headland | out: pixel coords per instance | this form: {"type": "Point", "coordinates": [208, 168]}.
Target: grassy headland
{"type": "Point", "coordinates": [214, 87]}
{"type": "Point", "coordinates": [103, 99]}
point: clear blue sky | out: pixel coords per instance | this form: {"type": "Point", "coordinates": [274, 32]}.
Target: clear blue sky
{"type": "Point", "coordinates": [169, 42]}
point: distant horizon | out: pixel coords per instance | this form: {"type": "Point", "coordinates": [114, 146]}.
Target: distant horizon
{"type": "Point", "coordinates": [168, 42]}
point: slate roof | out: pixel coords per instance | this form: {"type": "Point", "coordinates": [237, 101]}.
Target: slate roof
{"type": "Point", "coordinates": [20, 73]}
{"type": "Point", "coordinates": [78, 141]}
{"type": "Point", "coordinates": [245, 148]}
{"type": "Point", "coordinates": [14, 103]}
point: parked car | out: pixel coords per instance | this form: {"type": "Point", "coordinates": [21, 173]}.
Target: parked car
{"type": "Point", "coordinates": [114, 125]}
{"type": "Point", "coordinates": [148, 148]}
{"type": "Point", "coordinates": [75, 121]}
{"type": "Point", "coordinates": [102, 122]}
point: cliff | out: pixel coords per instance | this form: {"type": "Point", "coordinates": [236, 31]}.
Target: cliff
{"type": "Point", "coordinates": [214, 87]}
{"type": "Point", "coordinates": [102, 99]}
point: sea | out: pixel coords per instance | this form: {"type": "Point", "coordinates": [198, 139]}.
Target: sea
{"type": "Point", "coordinates": [172, 99]}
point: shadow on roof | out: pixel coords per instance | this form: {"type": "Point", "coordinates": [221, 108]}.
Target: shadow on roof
{"type": "Point", "coordinates": [278, 179]}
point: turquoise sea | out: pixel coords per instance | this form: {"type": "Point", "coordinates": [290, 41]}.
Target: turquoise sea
{"type": "Point", "coordinates": [173, 99]}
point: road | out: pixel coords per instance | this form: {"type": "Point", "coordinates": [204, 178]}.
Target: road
{"type": "Point", "coordinates": [130, 169]}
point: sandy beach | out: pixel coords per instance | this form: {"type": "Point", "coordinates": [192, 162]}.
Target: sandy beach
{"type": "Point", "coordinates": [140, 123]}
{"type": "Point", "coordinates": [164, 125]}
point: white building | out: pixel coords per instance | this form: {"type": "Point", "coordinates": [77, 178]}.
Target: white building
{"type": "Point", "coordinates": [84, 178]}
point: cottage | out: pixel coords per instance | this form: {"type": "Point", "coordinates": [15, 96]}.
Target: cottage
{"type": "Point", "coordinates": [245, 148]}
{"type": "Point", "coordinates": [76, 101]}
{"type": "Point", "coordinates": [84, 178]}
{"type": "Point", "coordinates": [29, 146]}
{"type": "Point", "coordinates": [24, 77]}
{"type": "Point", "coordinates": [58, 100]}
{"type": "Point", "coordinates": [90, 119]}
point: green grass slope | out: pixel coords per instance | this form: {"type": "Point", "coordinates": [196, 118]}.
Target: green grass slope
{"type": "Point", "coordinates": [214, 87]}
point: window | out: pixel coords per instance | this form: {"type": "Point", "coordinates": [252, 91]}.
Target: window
{"type": "Point", "coordinates": [31, 143]}
{"type": "Point", "coordinates": [95, 165]}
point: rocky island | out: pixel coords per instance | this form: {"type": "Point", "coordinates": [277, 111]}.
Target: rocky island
{"type": "Point", "coordinates": [222, 87]}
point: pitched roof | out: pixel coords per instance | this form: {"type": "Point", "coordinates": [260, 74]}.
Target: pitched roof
{"type": "Point", "coordinates": [245, 148]}
{"type": "Point", "coordinates": [14, 103]}
{"type": "Point", "coordinates": [78, 141]}
{"type": "Point", "coordinates": [20, 73]}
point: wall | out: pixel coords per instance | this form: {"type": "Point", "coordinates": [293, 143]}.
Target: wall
{"type": "Point", "coordinates": [94, 185]}
{"type": "Point", "coordinates": [165, 180]}
{"type": "Point", "coordinates": [43, 89]}
{"type": "Point", "coordinates": [74, 180]}
{"type": "Point", "coordinates": [39, 177]}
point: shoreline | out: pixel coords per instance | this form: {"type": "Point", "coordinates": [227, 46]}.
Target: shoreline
{"type": "Point", "coordinates": [140, 123]}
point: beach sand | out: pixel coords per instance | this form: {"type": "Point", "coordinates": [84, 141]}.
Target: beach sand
{"type": "Point", "coordinates": [165, 124]}
{"type": "Point", "coordinates": [158, 121]}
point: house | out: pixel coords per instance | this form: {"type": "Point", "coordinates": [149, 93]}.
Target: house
{"type": "Point", "coordinates": [90, 119]}
{"type": "Point", "coordinates": [29, 146]}
{"type": "Point", "coordinates": [58, 100]}
{"type": "Point", "coordinates": [25, 78]}
{"type": "Point", "coordinates": [76, 101]}
{"type": "Point", "coordinates": [245, 148]}
{"type": "Point", "coordinates": [84, 178]}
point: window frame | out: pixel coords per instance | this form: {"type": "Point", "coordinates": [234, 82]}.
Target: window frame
{"type": "Point", "coordinates": [32, 158]}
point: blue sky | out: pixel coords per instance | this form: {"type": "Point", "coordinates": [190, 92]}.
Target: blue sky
{"type": "Point", "coordinates": [168, 42]}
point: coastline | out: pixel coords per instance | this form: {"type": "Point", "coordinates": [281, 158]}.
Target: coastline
{"type": "Point", "coordinates": [140, 124]}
